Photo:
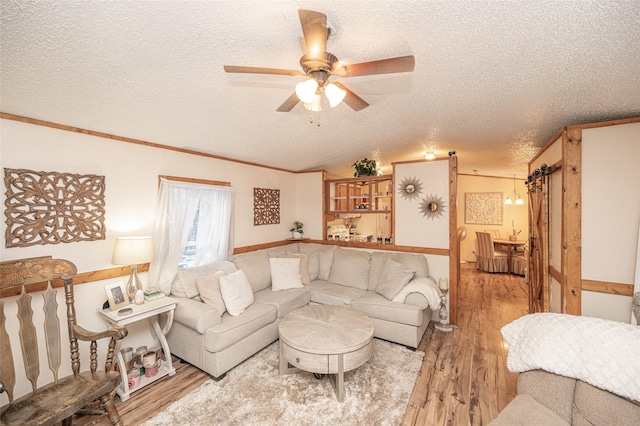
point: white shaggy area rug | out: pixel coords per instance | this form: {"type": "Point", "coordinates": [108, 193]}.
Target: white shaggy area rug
{"type": "Point", "coordinates": [254, 393]}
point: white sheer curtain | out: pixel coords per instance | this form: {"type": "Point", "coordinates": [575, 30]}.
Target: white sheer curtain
{"type": "Point", "coordinates": [177, 208]}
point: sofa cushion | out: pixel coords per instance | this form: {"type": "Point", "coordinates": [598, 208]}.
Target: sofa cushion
{"type": "Point", "coordinates": [304, 265]}
{"type": "Point", "coordinates": [593, 406]}
{"type": "Point", "coordinates": [209, 288]}
{"type": "Point", "coordinates": [284, 301]}
{"type": "Point", "coordinates": [415, 262]}
{"type": "Point", "coordinates": [332, 294]}
{"type": "Point", "coordinates": [184, 283]}
{"type": "Point", "coordinates": [551, 390]}
{"type": "Point", "coordinates": [526, 411]}
{"type": "Point", "coordinates": [325, 258]}
{"type": "Point", "coordinates": [394, 277]}
{"type": "Point", "coordinates": [231, 329]}
{"type": "Point", "coordinates": [236, 292]}
{"type": "Point", "coordinates": [350, 268]}
{"type": "Point", "coordinates": [280, 250]}
{"type": "Point", "coordinates": [377, 306]}
{"type": "Point", "coordinates": [255, 265]}
{"type": "Point", "coordinates": [285, 273]}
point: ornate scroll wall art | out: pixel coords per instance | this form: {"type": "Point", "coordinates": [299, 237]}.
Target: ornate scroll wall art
{"type": "Point", "coordinates": [266, 206]}
{"type": "Point", "coordinates": [483, 208]}
{"type": "Point", "coordinates": [52, 207]}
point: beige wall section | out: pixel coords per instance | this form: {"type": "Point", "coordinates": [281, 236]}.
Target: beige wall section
{"type": "Point", "coordinates": [550, 156]}
{"type": "Point", "coordinates": [309, 204]}
{"type": "Point", "coordinates": [517, 213]}
{"type": "Point", "coordinates": [131, 179]}
{"type": "Point", "coordinates": [411, 227]}
{"type": "Point", "coordinates": [610, 214]}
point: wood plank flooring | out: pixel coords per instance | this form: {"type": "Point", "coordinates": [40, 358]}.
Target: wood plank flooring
{"type": "Point", "coordinates": [463, 380]}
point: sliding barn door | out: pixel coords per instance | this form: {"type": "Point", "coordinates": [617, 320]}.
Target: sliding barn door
{"type": "Point", "coordinates": [539, 290]}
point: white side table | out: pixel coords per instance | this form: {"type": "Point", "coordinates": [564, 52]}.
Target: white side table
{"type": "Point", "coordinates": [148, 310]}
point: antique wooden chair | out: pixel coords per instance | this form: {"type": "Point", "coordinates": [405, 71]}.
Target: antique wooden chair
{"type": "Point", "coordinates": [54, 402]}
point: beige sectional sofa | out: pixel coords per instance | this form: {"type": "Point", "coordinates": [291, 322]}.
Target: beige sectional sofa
{"type": "Point", "coordinates": [216, 341]}
{"type": "Point", "coordinates": [573, 370]}
{"type": "Point", "coordinates": [551, 399]}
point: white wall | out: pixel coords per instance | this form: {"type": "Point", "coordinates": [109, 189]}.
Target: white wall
{"type": "Point", "coordinates": [411, 227]}
{"type": "Point", "coordinates": [309, 204]}
{"type": "Point", "coordinates": [610, 214]}
{"type": "Point", "coordinates": [518, 213]}
{"type": "Point", "coordinates": [131, 180]}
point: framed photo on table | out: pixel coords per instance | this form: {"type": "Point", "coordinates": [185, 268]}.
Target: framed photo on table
{"type": "Point", "coordinates": [116, 295]}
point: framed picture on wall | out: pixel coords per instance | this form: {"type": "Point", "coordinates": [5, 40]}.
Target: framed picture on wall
{"type": "Point", "coordinates": [483, 208]}
{"type": "Point", "coordinates": [116, 295]}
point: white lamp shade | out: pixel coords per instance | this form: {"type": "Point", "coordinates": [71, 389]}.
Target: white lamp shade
{"type": "Point", "coordinates": [315, 105]}
{"type": "Point", "coordinates": [334, 94]}
{"type": "Point", "coordinates": [132, 251]}
{"type": "Point", "coordinates": [306, 90]}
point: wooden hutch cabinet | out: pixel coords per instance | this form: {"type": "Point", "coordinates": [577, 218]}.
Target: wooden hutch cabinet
{"type": "Point", "coordinates": [365, 195]}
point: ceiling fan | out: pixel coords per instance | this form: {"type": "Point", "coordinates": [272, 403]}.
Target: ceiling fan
{"type": "Point", "coordinates": [319, 65]}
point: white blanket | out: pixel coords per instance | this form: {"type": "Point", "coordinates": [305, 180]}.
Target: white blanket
{"type": "Point", "coordinates": [603, 353]}
{"type": "Point", "coordinates": [426, 287]}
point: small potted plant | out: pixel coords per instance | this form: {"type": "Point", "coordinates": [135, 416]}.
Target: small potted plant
{"type": "Point", "coordinates": [515, 232]}
{"type": "Point", "coordinates": [297, 230]}
{"type": "Point", "coordinates": [365, 167]}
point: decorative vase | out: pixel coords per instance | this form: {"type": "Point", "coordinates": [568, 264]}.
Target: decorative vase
{"type": "Point", "coordinates": [297, 235]}
{"type": "Point", "coordinates": [513, 238]}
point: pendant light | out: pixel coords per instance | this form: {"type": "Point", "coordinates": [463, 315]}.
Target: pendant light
{"type": "Point", "coordinates": [516, 196]}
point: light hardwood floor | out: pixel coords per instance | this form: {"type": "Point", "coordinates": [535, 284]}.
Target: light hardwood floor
{"type": "Point", "coordinates": [463, 380]}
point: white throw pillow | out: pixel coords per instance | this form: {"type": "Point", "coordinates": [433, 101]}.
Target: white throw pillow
{"type": "Point", "coordinates": [394, 277]}
{"type": "Point", "coordinates": [236, 292]}
{"type": "Point", "coordinates": [285, 273]}
{"type": "Point", "coordinates": [304, 265]}
{"type": "Point", "coordinates": [209, 288]}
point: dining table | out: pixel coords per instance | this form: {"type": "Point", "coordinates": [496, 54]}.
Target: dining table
{"type": "Point", "coordinates": [511, 247]}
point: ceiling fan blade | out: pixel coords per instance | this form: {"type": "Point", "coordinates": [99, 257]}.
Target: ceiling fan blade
{"type": "Point", "coordinates": [259, 70]}
{"type": "Point", "coordinates": [289, 103]}
{"type": "Point", "coordinates": [383, 66]}
{"type": "Point", "coordinates": [351, 99]}
{"type": "Point", "coordinates": [315, 30]}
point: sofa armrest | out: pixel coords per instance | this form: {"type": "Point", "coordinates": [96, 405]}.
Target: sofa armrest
{"type": "Point", "coordinates": [195, 314]}
{"type": "Point", "coordinates": [420, 291]}
{"type": "Point", "coordinates": [417, 299]}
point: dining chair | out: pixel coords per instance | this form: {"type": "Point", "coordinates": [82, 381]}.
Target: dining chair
{"type": "Point", "coordinates": [520, 262]}
{"type": "Point", "coordinates": [495, 234]}
{"type": "Point", "coordinates": [488, 259]}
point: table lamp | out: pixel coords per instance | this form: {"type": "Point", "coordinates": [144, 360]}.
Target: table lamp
{"type": "Point", "coordinates": [133, 251]}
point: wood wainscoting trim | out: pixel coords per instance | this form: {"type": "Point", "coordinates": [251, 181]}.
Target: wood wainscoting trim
{"type": "Point", "coordinates": [81, 278]}
{"type": "Point", "coordinates": [607, 287]}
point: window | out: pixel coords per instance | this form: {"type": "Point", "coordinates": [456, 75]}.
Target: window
{"type": "Point", "coordinates": [193, 226]}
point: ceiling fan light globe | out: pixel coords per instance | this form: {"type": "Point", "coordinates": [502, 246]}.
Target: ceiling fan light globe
{"type": "Point", "coordinates": [306, 90]}
{"type": "Point", "coordinates": [334, 94]}
{"type": "Point", "coordinates": [315, 105]}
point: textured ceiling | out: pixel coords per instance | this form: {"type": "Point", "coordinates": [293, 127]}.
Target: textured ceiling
{"type": "Point", "coordinates": [493, 81]}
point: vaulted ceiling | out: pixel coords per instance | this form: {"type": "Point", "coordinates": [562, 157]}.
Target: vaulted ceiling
{"type": "Point", "coordinates": [493, 81]}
